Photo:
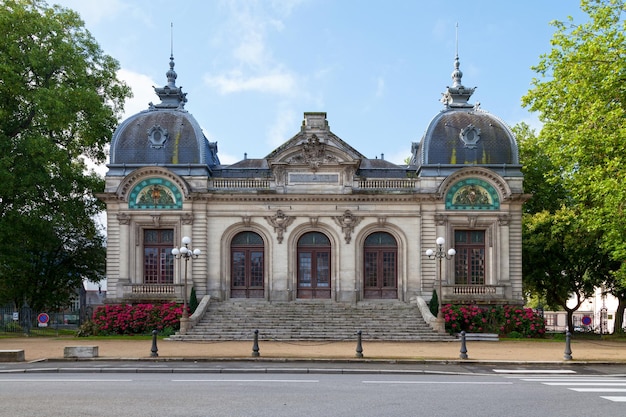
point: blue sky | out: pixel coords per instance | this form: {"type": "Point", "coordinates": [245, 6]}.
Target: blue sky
{"type": "Point", "coordinates": [251, 68]}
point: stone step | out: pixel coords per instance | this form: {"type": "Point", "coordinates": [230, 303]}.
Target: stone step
{"type": "Point", "coordinates": [311, 320]}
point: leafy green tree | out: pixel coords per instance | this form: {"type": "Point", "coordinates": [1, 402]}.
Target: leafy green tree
{"type": "Point", "coordinates": [561, 259]}
{"type": "Point", "coordinates": [59, 103]}
{"type": "Point", "coordinates": [580, 96]}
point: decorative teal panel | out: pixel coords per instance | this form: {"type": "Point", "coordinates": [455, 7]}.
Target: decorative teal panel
{"type": "Point", "coordinates": [155, 194]}
{"type": "Point", "coordinates": [472, 194]}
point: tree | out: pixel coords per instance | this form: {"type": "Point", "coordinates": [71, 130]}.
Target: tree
{"type": "Point", "coordinates": [60, 100]}
{"type": "Point", "coordinates": [580, 96]}
{"type": "Point", "coordinates": [561, 259]}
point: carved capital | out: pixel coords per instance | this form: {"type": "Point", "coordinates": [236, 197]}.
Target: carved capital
{"type": "Point", "coordinates": [187, 218]}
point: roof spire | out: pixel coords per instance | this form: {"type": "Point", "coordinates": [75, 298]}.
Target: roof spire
{"type": "Point", "coordinates": [171, 96]}
{"type": "Point", "coordinates": [457, 95]}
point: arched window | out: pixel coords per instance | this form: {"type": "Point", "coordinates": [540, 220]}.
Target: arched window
{"type": "Point", "coordinates": [380, 266]}
{"type": "Point", "coordinates": [247, 266]}
{"type": "Point", "coordinates": [314, 266]}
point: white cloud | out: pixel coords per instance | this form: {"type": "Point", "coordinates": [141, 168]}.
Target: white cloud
{"type": "Point", "coordinates": [94, 11]}
{"type": "Point", "coordinates": [244, 35]}
{"type": "Point", "coordinates": [283, 127]}
{"type": "Point", "coordinates": [235, 82]}
{"type": "Point", "coordinates": [143, 91]}
{"type": "Point", "coordinates": [380, 87]}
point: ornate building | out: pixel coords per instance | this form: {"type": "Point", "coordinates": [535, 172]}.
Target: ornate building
{"type": "Point", "coordinates": [314, 219]}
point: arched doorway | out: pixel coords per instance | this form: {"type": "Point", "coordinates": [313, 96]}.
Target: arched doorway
{"type": "Point", "coordinates": [247, 266]}
{"type": "Point", "coordinates": [380, 269]}
{"type": "Point", "coordinates": [314, 266]}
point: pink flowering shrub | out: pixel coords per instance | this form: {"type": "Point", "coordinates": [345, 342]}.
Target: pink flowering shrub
{"type": "Point", "coordinates": [138, 318]}
{"type": "Point", "coordinates": [502, 320]}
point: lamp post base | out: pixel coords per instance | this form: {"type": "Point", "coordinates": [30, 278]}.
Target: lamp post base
{"type": "Point", "coordinates": [184, 325]}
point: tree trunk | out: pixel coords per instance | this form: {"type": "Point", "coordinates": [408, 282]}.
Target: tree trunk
{"type": "Point", "coordinates": [619, 316]}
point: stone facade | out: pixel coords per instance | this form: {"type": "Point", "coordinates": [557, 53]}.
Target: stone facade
{"type": "Point", "coordinates": [314, 219]}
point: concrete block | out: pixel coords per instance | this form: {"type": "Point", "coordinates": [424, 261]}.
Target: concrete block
{"type": "Point", "coordinates": [16, 355]}
{"type": "Point", "coordinates": [80, 352]}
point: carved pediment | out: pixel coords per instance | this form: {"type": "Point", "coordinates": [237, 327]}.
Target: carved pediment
{"type": "Point", "coordinates": [313, 153]}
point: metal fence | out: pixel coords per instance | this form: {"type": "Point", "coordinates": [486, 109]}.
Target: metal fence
{"type": "Point", "coordinates": [25, 320]}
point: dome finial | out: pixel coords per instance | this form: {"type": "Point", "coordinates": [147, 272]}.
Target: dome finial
{"type": "Point", "coordinates": [457, 95]}
{"type": "Point", "coordinates": [171, 95]}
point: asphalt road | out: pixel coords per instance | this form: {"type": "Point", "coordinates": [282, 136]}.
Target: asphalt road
{"type": "Point", "coordinates": [121, 393]}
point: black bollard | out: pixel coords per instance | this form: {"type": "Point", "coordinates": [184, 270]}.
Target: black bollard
{"type": "Point", "coordinates": [153, 352]}
{"type": "Point", "coordinates": [463, 354]}
{"type": "Point", "coordinates": [255, 345]}
{"type": "Point", "coordinates": [568, 349]}
{"type": "Point", "coordinates": [359, 345]}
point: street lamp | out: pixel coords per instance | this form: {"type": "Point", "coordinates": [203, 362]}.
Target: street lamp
{"type": "Point", "coordinates": [440, 254]}
{"type": "Point", "coordinates": [186, 254]}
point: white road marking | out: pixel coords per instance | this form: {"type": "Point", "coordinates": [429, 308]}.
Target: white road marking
{"type": "Point", "coordinates": [615, 399]}
{"type": "Point", "coordinates": [64, 380]}
{"type": "Point", "coordinates": [593, 384]}
{"type": "Point", "coordinates": [604, 389]}
{"type": "Point", "coordinates": [587, 384]}
{"type": "Point", "coordinates": [534, 371]}
{"type": "Point", "coordinates": [295, 381]}
{"type": "Point", "coordinates": [439, 382]}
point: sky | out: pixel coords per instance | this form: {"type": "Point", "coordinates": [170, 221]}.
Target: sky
{"type": "Point", "coordinates": [252, 68]}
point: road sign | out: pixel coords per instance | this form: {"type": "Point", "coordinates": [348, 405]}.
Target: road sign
{"type": "Point", "coordinates": [586, 320]}
{"type": "Point", "coordinates": [43, 319]}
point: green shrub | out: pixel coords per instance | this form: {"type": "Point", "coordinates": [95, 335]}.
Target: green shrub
{"type": "Point", "coordinates": [89, 328]}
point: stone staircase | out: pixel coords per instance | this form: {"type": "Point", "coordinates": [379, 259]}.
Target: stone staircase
{"type": "Point", "coordinates": [312, 320]}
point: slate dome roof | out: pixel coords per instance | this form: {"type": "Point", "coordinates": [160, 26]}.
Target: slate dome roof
{"type": "Point", "coordinates": [164, 134]}
{"type": "Point", "coordinates": [462, 134]}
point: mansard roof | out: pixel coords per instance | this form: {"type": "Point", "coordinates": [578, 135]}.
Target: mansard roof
{"type": "Point", "coordinates": [164, 135]}
{"type": "Point", "coordinates": [463, 134]}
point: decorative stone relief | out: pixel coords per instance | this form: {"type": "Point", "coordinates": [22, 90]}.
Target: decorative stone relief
{"type": "Point", "coordinates": [347, 222]}
{"type": "Point", "coordinates": [123, 218]}
{"type": "Point", "coordinates": [156, 220]}
{"type": "Point", "coordinates": [280, 174]}
{"type": "Point", "coordinates": [504, 219]}
{"type": "Point", "coordinates": [441, 219]}
{"type": "Point", "coordinates": [246, 220]}
{"type": "Point", "coordinates": [279, 221]}
{"type": "Point", "coordinates": [157, 136]}
{"type": "Point", "coordinates": [313, 153]}
{"type": "Point", "coordinates": [471, 221]}
{"type": "Point", "coordinates": [470, 136]}
{"type": "Point", "coordinates": [187, 218]}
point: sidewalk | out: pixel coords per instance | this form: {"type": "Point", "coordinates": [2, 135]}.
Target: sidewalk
{"type": "Point", "coordinates": [37, 349]}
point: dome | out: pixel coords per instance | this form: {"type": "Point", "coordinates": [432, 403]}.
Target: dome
{"type": "Point", "coordinates": [165, 134]}
{"type": "Point", "coordinates": [462, 134]}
